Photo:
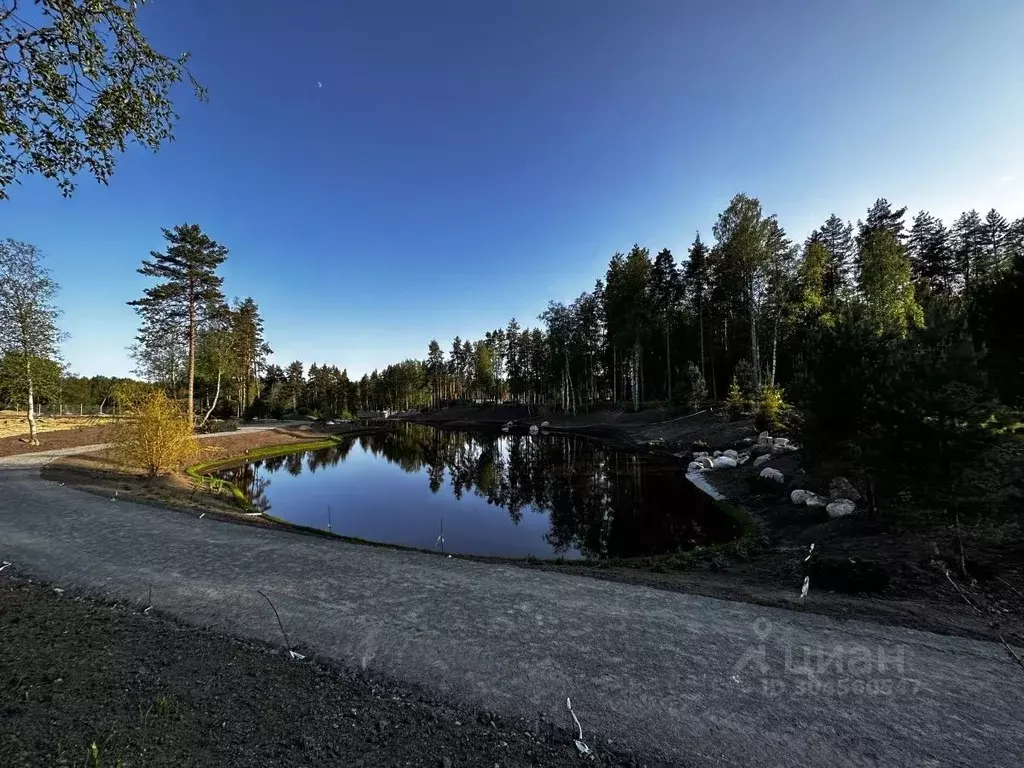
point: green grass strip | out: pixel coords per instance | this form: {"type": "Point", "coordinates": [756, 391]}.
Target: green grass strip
{"type": "Point", "coordinates": [200, 473]}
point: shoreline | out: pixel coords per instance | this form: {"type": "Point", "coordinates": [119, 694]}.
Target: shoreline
{"type": "Point", "coordinates": [756, 567]}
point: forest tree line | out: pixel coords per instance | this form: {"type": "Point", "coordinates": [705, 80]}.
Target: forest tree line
{"type": "Point", "coordinates": [746, 305]}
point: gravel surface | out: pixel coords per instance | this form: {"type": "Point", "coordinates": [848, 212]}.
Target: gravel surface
{"type": "Point", "coordinates": [148, 691]}
{"type": "Point", "coordinates": [668, 676]}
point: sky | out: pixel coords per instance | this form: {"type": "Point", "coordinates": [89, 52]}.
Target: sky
{"type": "Point", "coordinates": [385, 172]}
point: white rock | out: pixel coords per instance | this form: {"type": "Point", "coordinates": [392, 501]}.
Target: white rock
{"type": "Point", "coordinates": [731, 454]}
{"type": "Point", "coordinates": [717, 454]}
{"type": "Point", "coordinates": [724, 462]}
{"type": "Point", "coordinates": [743, 458]}
{"type": "Point", "coordinates": [505, 430]}
{"type": "Point", "coordinates": [780, 441]}
{"type": "Point", "coordinates": [545, 424]}
{"type": "Point", "coordinates": [764, 440]}
{"type": "Point", "coordinates": [699, 455]}
{"type": "Point", "coordinates": [799, 497]}
{"type": "Point", "coordinates": [841, 488]}
{"type": "Point", "coordinates": [762, 459]}
{"type": "Point", "coordinates": [695, 466]}
{"type": "Point", "coordinates": [840, 508]}
{"type": "Point", "coordinates": [780, 448]}
{"type": "Point", "coordinates": [705, 462]}
{"type": "Point", "coordinates": [814, 501]}
{"type": "Point", "coordinates": [768, 473]}
{"type": "Point", "coordinates": [534, 429]}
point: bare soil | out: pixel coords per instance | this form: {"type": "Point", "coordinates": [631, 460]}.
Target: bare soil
{"type": "Point", "coordinates": [68, 437]}
{"type": "Point", "coordinates": [149, 691]}
{"type": "Point", "coordinates": [101, 474]}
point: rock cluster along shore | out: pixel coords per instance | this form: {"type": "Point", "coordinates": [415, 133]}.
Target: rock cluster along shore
{"type": "Point", "coordinates": [840, 502]}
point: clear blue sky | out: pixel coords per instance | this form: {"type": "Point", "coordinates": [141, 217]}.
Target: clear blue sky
{"type": "Point", "coordinates": [464, 162]}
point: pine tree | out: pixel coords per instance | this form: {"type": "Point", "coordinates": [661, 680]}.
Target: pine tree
{"type": "Point", "coordinates": [250, 350]}
{"type": "Point", "coordinates": [968, 251]}
{"type": "Point", "coordinates": [931, 257]}
{"type": "Point", "coordinates": [667, 295]}
{"type": "Point", "coordinates": [837, 237]}
{"type": "Point", "coordinates": [882, 216]}
{"type": "Point", "coordinates": [435, 369]}
{"type": "Point", "coordinates": [995, 241]}
{"type": "Point", "coordinates": [696, 286]}
{"type": "Point", "coordinates": [296, 384]}
{"type": "Point", "coordinates": [190, 285]}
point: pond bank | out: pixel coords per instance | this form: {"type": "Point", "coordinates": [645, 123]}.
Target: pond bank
{"type": "Point", "coordinates": [765, 566]}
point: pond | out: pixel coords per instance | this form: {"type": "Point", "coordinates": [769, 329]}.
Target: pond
{"type": "Point", "coordinates": [487, 493]}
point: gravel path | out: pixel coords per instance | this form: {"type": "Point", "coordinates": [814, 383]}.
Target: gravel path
{"type": "Point", "coordinates": [689, 679]}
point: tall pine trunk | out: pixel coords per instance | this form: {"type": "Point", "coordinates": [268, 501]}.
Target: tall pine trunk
{"type": "Point", "coordinates": [668, 368]}
{"type": "Point", "coordinates": [700, 330]}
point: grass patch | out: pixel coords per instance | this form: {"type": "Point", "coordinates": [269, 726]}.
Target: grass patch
{"type": "Point", "coordinates": [200, 473]}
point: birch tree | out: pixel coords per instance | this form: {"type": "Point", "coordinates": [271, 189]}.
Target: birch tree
{"type": "Point", "coordinates": [28, 317]}
{"type": "Point", "coordinates": [78, 83]}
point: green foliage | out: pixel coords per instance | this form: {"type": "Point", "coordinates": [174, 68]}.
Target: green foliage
{"type": "Point", "coordinates": [996, 320]}
{"type": "Point", "coordinates": [216, 427]}
{"type": "Point", "coordinates": [736, 403]}
{"type": "Point", "coordinates": [186, 300]}
{"type": "Point", "coordinates": [695, 390]}
{"type": "Point", "coordinates": [885, 283]}
{"type": "Point", "coordinates": [914, 408]}
{"type": "Point", "coordinates": [77, 84]}
{"type": "Point", "coordinates": [155, 434]}
{"type": "Point", "coordinates": [28, 319]}
{"type": "Point", "coordinates": [770, 407]}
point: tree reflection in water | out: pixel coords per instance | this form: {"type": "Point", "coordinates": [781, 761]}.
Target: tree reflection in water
{"type": "Point", "coordinates": [600, 500]}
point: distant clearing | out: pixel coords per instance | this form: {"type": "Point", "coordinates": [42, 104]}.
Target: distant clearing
{"type": "Point", "coordinates": [13, 423]}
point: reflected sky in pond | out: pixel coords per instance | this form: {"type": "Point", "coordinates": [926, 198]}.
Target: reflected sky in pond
{"type": "Point", "coordinates": [498, 495]}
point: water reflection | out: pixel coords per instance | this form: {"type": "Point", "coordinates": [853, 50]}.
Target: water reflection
{"type": "Point", "coordinates": [599, 501]}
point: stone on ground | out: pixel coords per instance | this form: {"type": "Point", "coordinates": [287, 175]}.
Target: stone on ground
{"type": "Point", "coordinates": [841, 488]}
{"type": "Point", "coordinates": [762, 460]}
{"type": "Point", "coordinates": [814, 501]}
{"type": "Point", "coordinates": [724, 462]}
{"type": "Point", "coordinates": [840, 508]}
{"type": "Point", "coordinates": [772, 474]}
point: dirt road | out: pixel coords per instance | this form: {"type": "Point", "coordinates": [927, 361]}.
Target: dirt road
{"type": "Point", "coordinates": [688, 679]}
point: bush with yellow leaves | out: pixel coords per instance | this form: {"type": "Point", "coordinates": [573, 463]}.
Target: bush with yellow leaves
{"type": "Point", "coordinates": [154, 434]}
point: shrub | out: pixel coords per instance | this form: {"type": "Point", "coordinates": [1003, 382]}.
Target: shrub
{"type": "Point", "coordinates": [155, 435]}
{"type": "Point", "coordinates": [736, 403]}
{"type": "Point", "coordinates": [743, 376]}
{"type": "Point", "coordinates": [770, 406]}
{"type": "Point", "coordinates": [217, 426]}
{"type": "Point", "coordinates": [695, 390]}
